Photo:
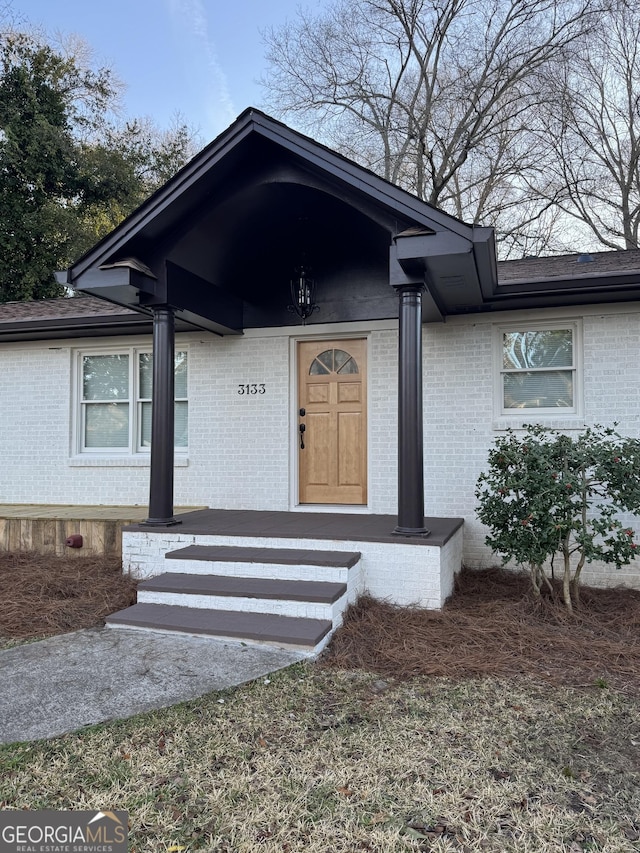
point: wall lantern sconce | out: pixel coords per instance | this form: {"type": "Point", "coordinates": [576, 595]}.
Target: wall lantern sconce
{"type": "Point", "coordinates": [303, 294]}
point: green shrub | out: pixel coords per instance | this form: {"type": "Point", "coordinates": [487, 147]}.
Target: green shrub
{"type": "Point", "coordinates": [546, 493]}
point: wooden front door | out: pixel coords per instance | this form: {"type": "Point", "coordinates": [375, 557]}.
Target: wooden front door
{"type": "Point", "coordinates": [332, 421]}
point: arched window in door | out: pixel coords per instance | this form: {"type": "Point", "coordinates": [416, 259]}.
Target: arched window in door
{"type": "Point", "coordinates": [333, 361]}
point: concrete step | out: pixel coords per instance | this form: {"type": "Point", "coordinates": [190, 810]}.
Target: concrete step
{"type": "Point", "coordinates": [259, 562]}
{"type": "Point", "coordinates": [307, 634]}
{"type": "Point", "coordinates": [307, 599]}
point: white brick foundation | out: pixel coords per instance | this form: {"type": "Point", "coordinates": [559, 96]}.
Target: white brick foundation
{"type": "Point", "coordinates": [404, 574]}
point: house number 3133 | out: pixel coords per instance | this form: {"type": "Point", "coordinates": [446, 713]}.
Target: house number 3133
{"type": "Point", "coordinates": [252, 389]}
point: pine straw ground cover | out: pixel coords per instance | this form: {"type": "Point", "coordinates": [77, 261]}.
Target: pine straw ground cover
{"type": "Point", "coordinates": [43, 594]}
{"type": "Point", "coordinates": [331, 757]}
{"type": "Point", "coordinates": [493, 626]}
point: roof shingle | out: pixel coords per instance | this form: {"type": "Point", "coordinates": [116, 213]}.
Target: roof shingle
{"type": "Point", "coordinates": [60, 309]}
{"type": "Point", "coordinates": [569, 266]}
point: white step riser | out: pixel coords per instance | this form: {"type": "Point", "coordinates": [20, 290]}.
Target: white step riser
{"type": "Point", "coordinates": [275, 571]}
{"type": "Point", "coordinates": [303, 609]}
{"type": "Point", "coordinates": [354, 587]}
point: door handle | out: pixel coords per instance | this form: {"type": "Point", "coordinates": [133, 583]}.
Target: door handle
{"type": "Point", "coordinates": [302, 428]}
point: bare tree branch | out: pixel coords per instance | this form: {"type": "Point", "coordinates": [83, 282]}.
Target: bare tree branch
{"type": "Point", "coordinates": [593, 121]}
{"type": "Point", "coordinates": [442, 97]}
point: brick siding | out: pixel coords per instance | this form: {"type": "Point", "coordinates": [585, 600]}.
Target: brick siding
{"type": "Point", "coordinates": [240, 445]}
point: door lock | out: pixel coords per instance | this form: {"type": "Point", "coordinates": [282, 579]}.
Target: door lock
{"type": "Point", "coordinates": [302, 412]}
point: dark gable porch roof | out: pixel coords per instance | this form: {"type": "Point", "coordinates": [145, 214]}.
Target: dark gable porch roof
{"type": "Point", "coordinates": [221, 238]}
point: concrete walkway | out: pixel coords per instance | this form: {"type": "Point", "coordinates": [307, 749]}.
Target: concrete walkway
{"type": "Point", "coordinates": [61, 684]}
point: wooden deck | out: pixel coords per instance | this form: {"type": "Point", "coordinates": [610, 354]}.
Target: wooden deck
{"type": "Point", "coordinates": [44, 528]}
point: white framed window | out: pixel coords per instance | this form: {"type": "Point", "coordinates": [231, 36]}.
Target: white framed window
{"type": "Point", "coordinates": [114, 392]}
{"type": "Point", "coordinates": [539, 369]}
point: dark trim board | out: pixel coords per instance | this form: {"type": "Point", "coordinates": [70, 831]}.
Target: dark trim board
{"type": "Point", "coordinates": [304, 525]}
{"type": "Point", "coordinates": [262, 627]}
{"type": "Point", "coordinates": [230, 586]}
{"type": "Point", "coordinates": [280, 556]}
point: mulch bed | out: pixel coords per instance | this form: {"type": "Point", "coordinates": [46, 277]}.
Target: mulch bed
{"type": "Point", "coordinates": [43, 594]}
{"type": "Point", "coordinates": [490, 626]}
{"type": "Point", "coordinates": [493, 626]}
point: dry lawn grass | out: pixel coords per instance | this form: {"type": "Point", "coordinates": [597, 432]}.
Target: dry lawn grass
{"type": "Point", "coordinates": [324, 759]}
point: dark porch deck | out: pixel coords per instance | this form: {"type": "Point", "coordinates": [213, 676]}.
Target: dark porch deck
{"type": "Point", "coordinates": [348, 527]}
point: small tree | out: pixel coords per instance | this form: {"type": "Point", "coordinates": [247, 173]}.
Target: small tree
{"type": "Point", "coordinates": [547, 493]}
{"type": "Point", "coordinates": [69, 170]}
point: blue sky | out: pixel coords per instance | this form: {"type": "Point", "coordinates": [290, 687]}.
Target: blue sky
{"type": "Point", "coordinates": [200, 58]}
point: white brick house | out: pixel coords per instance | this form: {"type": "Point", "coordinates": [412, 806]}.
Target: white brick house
{"type": "Point", "coordinates": [219, 246]}
{"type": "Point", "coordinates": [43, 465]}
